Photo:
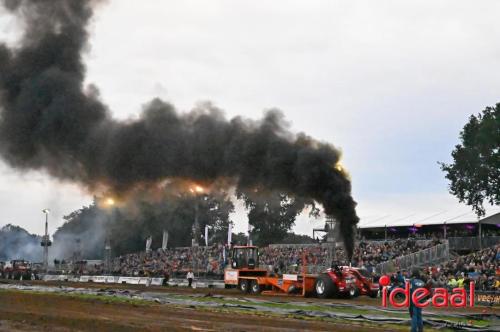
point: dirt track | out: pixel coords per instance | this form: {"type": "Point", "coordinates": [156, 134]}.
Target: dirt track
{"type": "Point", "coordinates": [48, 312]}
{"type": "Point", "coordinates": [362, 300]}
{"type": "Point", "coordinates": [62, 311]}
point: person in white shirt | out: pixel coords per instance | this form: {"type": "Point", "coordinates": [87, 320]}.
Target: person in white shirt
{"type": "Point", "coordinates": [190, 277]}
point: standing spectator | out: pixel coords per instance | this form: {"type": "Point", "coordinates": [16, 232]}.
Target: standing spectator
{"type": "Point", "coordinates": [190, 277]}
{"type": "Point", "coordinates": [417, 324]}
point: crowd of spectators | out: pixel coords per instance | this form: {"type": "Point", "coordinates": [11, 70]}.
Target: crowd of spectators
{"type": "Point", "coordinates": [369, 254]}
{"type": "Point", "coordinates": [481, 267]}
{"type": "Point", "coordinates": [170, 262]}
{"type": "Point", "coordinates": [366, 253]}
{"type": "Point", "coordinates": [282, 259]}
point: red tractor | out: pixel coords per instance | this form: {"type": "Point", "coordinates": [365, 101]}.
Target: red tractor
{"type": "Point", "coordinates": [17, 269]}
{"type": "Point", "coordinates": [337, 281]}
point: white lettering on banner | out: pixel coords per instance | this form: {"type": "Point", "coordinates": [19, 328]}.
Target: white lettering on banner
{"type": "Point", "coordinates": [99, 279]}
{"type": "Point", "coordinates": [110, 279]}
{"type": "Point", "coordinates": [157, 281]}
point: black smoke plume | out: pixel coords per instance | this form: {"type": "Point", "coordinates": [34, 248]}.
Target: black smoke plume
{"type": "Point", "coordinates": [50, 121]}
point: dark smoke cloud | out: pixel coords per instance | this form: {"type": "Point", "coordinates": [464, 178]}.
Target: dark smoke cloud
{"type": "Point", "coordinates": [50, 121]}
{"type": "Point", "coordinates": [17, 243]}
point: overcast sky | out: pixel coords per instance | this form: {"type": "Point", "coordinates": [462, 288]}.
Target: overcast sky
{"type": "Point", "coordinates": [391, 83]}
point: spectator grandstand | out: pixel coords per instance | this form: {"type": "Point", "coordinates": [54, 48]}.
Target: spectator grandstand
{"type": "Point", "coordinates": [280, 258]}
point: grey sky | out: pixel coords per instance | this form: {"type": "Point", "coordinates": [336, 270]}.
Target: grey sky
{"type": "Point", "coordinates": [389, 82]}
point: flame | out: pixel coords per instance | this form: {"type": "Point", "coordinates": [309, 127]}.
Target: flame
{"type": "Point", "coordinates": [342, 170]}
{"type": "Point", "coordinates": [197, 189]}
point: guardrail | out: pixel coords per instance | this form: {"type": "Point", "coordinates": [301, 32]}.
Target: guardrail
{"type": "Point", "coordinates": [427, 256]}
{"type": "Point", "coordinates": [472, 242]}
{"type": "Point", "coordinates": [146, 281]}
{"type": "Point", "coordinates": [105, 279]}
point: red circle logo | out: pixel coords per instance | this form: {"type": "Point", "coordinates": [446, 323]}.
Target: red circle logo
{"type": "Point", "coordinates": [384, 280]}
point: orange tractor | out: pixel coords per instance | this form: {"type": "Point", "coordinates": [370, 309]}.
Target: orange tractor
{"type": "Point", "coordinates": [249, 278]}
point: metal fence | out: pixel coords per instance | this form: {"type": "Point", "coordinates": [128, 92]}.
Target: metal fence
{"type": "Point", "coordinates": [472, 242]}
{"type": "Point", "coordinates": [438, 253]}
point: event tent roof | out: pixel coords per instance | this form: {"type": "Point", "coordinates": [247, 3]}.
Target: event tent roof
{"type": "Point", "coordinates": [436, 218]}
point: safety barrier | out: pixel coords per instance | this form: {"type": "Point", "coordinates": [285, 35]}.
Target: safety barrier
{"type": "Point", "coordinates": [105, 279]}
{"type": "Point", "coordinates": [438, 253]}
{"type": "Point", "coordinates": [146, 281]}
{"type": "Point", "coordinates": [472, 242]}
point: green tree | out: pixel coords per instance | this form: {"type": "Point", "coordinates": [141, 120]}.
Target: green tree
{"type": "Point", "coordinates": [174, 213]}
{"type": "Point", "coordinates": [474, 173]}
{"type": "Point", "coordinates": [129, 225]}
{"type": "Point", "coordinates": [240, 239]}
{"type": "Point", "coordinates": [273, 214]}
{"type": "Point", "coordinates": [292, 238]}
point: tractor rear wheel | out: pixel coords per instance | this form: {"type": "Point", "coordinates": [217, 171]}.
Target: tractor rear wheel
{"type": "Point", "coordinates": [324, 286]}
{"type": "Point", "coordinates": [243, 285]}
{"type": "Point", "coordinates": [255, 287]}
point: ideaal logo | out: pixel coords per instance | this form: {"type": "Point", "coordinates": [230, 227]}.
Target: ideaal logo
{"type": "Point", "coordinates": [422, 297]}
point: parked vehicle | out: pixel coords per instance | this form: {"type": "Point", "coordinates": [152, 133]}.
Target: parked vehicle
{"type": "Point", "coordinates": [17, 269]}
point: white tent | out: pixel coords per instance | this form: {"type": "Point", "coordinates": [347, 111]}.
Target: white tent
{"type": "Point", "coordinates": [436, 218]}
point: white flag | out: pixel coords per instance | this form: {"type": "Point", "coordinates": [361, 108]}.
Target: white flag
{"type": "Point", "coordinates": [249, 242]}
{"type": "Point", "coordinates": [206, 235]}
{"type": "Point", "coordinates": [165, 240]}
{"type": "Point", "coordinates": [229, 234]}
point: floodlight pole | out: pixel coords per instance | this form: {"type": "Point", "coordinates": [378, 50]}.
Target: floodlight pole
{"type": "Point", "coordinates": [194, 243]}
{"type": "Point", "coordinates": [45, 242]}
{"type": "Point", "coordinates": [479, 234]}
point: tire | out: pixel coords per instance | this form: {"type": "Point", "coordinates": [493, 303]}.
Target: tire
{"type": "Point", "coordinates": [243, 286]}
{"type": "Point", "coordinates": [353, 292]}
{"type": "Point", "coordinates": [373, 294]}
{"type": "Point", "coordinates": [255, 287]}
{"type": "Point", "coordinates": [324, 287]}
